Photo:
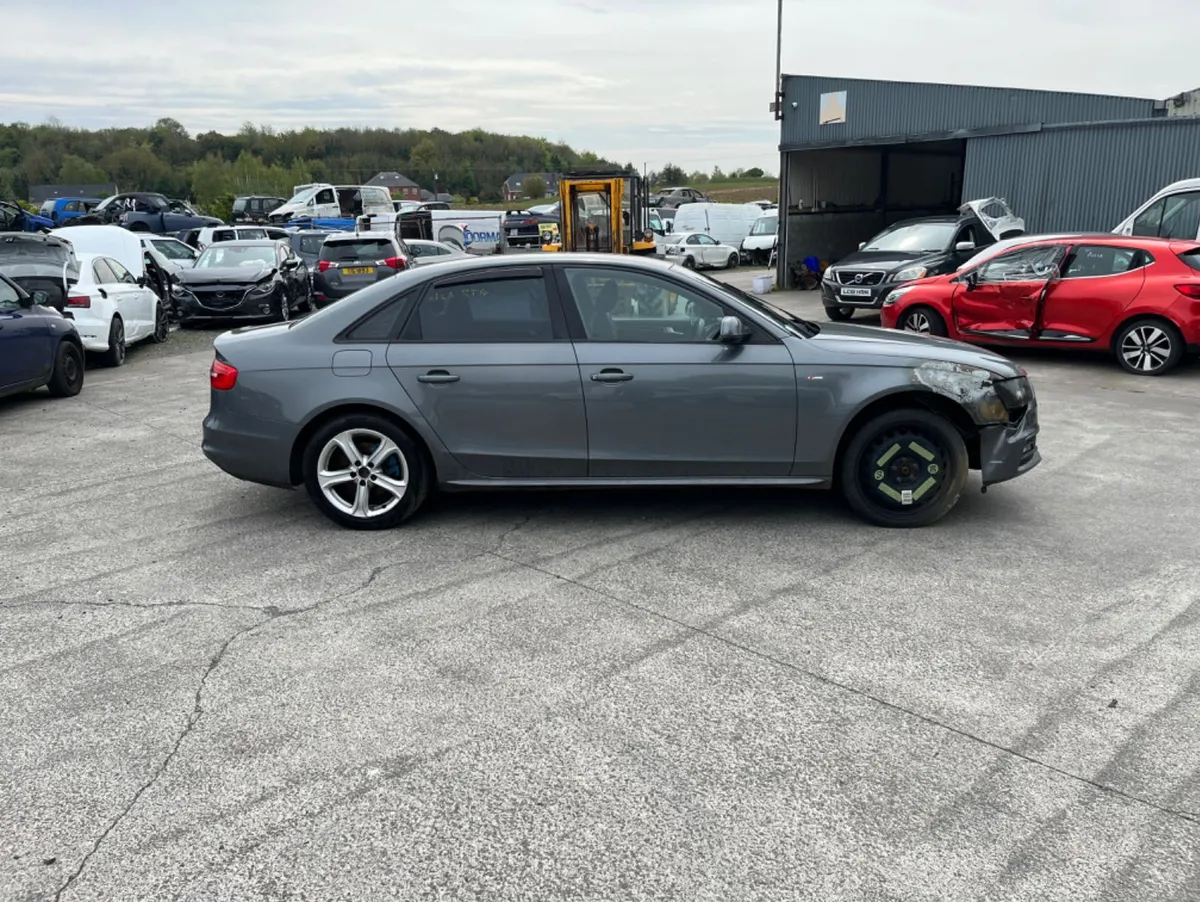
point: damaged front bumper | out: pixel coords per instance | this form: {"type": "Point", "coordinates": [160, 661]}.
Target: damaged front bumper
{"type": "Point", "coordinates": [1009, 450]}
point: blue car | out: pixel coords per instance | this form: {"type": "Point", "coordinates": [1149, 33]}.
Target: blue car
{"type": "Point", "coordinates": [14, 219]}
{"type": "Point", "coordinates": [38, 346]}
{"type": "Point", "coordinates": [63, 209]}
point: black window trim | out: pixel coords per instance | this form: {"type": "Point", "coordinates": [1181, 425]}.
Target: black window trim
{"type": "Point", "coordinates": [406, 296]}
{"type": "Point", "coordinates": [559, 328]}
{"type": "Point", "coordinates": [758, 334]}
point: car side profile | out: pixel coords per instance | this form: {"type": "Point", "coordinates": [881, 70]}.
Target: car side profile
{"type": "Point", "coordinates": [38, 346]}
{"type": "Point", "coordinates": [1137, 298]}
{"type": "Point", "coordinates": [600, 370]}
{"type": "Point", "coordinates": [697, 250]}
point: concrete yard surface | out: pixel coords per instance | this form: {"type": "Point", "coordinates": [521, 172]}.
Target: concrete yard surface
{"type": "Point", "coordinates": [212, 693]}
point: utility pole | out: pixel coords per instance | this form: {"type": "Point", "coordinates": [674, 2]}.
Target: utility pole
{"type": "Point", "coordinates": [777, 106]}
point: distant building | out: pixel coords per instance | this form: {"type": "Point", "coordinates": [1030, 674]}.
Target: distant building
{"type": "Point", "coordinates": [39, 194]}
{"type": "Point", "coordinates": [401, 187]}
{"type": "Point", "coordinates": [513, 188]}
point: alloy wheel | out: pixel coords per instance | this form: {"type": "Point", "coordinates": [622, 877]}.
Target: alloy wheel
{"type": "Point", "coordinates": [118, 340]}
{"type": "Point", "coordinates": [917, 322]}
{"type": "Point", "coordinates": [362, 473]}
{"type": "Point", "coordinates": [161, 327]}
{"type": "Point", "coordinates": [1146, 348]}
{"type": "Point", "coordinates": [284, 309]}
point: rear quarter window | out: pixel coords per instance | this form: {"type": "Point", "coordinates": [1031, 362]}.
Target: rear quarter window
{"type": "Point", "coordinates": [1192, 258]}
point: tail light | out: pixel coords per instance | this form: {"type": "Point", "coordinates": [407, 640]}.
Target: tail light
{"type": "Point", "coordinates": [1191, 290]}
{"type": "Point", "coordinates": [325, 265]}
{"type": "Point", "coordinates": [222, 376]}
{"type": "Point", "coordinates": [79, 300]}
{"type": "Point", "coordinates": [396, 262]}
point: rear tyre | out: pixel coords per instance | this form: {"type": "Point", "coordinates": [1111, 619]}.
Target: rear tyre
{"type": "Point", "coordinates": [924, 320]}
{"type": "Point", "coordinates": [115, 355]}
{"type": "Point", "coordinates": [732, 262]}
{"type": "Point", "coordinates": [839, 314]}
{"type": "Point", "coordinates": [307, 306]}
{"type": "Point", "coordinates": [162, 328]}
{"type": "Point", "coordinates": [905, 468]}
{"type": "Point", "coordinates": [689, 262]}
{"type": "Point", "coordinates": [66, 380]}
{"type": "Point", "coordinates": [1149, 347]}
{"type": "Point", "coordinates": [364, 472]}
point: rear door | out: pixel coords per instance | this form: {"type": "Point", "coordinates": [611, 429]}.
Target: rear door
{"type": "Point", "coordinates": [487, 361]}
{"type": "Point", "coordinates": [1003, 301]}
{"type": "Point", "coordinates": [1097, 283]}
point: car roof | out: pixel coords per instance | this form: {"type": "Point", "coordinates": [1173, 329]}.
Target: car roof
{"type": "Point", "coordinates": [248, 242]}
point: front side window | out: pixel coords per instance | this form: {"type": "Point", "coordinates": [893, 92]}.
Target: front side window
{"type": "Point", "coordinates": [636, 307]}
{"type": "Point", "coordinates": [1181, 217]}
{"type": "Point", "coordinates": [1090, 261]}
{"type": "Point", "coordinates": [251, 234]}
{"type": "Point", "coordinates": [1026, 265]}
{"type": "Point", "coordinates": [767, 225]}
{"type": "Point", "coordinates": [122, 274]}
{"type": "Point", "coordinates": [9, 299]}
{"type": "Point", "coordinates": [325, 196]}
{"type": "Point", "coordinates": [102, 274]}
{"type": "Point", "coordinates": [47, 208]}
{"type": "Point", "coordinates": [706, 240]}
{"type": "Point", "coordinates": [501, 310]}
{"type": "Point", "coordinates": [174, 250]}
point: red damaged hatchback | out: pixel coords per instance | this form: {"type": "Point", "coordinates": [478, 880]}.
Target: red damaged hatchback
{"type": "Point", "coordinates": [1136, 297]}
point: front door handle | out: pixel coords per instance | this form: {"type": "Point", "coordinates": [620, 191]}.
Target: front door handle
{"type": "Point", "coordinates": [438, 377]}
{"type": "Point", "coordinates": [611, 376]}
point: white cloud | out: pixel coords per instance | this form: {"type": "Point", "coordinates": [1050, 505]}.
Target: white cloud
{"type": "Point", "coordinates": [635, 80]}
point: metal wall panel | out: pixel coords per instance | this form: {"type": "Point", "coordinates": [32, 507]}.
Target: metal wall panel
{"type": "Point", "coordinates": [882, 109]}
{"type": "Point", "coordinates": [1082, 178]}
{"type": "Point", "coordinates": [843, 178]}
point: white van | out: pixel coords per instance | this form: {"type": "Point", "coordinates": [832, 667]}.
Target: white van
{"type": "Point", "coordinates": [335, 202]}
{"type": "Point", "coordinates": [474, 231]}
{"type": "Point", "coordinates": [1174, 212]}
{"type": "Point", "coordinates": [728, 223]}
{"type": "Point", "coordinates": [758, 245]}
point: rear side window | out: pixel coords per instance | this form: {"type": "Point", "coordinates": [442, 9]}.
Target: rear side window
{"type": "Point", "coordinates": [223, 235]}
{"type": "Point", "coordinates": [503, 310]}
{"type": "Point", "coordinates": [239, 204]}
{"type": "Point", "coordinates": [251, 234]}
{"type": "Point", "coordinates": [361, 250]}
{"type": "Point", "coordinates": [1089, 261]}
{"type": "Point", "coordinates": [381, 324]}
{"type": "Point", "coordinates": [1192, 258]}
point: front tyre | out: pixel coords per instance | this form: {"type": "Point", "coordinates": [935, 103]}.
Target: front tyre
{"type": "Point", "coordinates": [923, 320]}
{"type": "Point", "coordinates": [162, 328]}
{"type": "Point", "coordinates": [285, 307]}
{"type": "Point", "coordinates": [364, 472]}
{"type": "Point", "coordinates": [732, 262]}
{"type": "Point", "coordinates": [905, 468]}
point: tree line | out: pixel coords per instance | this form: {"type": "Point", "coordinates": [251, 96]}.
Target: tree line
{"type": "Point", "coordinates": [211, 168]}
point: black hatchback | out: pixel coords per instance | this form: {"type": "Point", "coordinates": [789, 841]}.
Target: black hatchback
{"type": "Point", "coordinates": [350, 261]}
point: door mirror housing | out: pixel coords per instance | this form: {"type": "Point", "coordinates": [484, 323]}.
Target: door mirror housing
{"type": "Point", "coordinates": [26, 301]}
{"type": "Point", "coordinates": [861, 245]}
{"type": "Point", "coordinates": [964, 246]}
{"type": "Point", "coordinates": [733, 331]}
{"type": "Point", "coordinates": [971, 278]}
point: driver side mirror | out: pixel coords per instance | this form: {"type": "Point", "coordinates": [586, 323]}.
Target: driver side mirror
{"type": "Point", "coordinates": [26, 301]}
{"type": "Point", "coordinates": [964, 246]}
{"type": "Point", "coordinates": [861, 245]}
{"type": "Point", "coordinates": [141, 281]}
{"type": "Point", "coordinates": [971, 278]}
{"type": "Point", "coordinates": [733, 331]}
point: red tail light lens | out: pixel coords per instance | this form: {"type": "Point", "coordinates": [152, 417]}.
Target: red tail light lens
{"type": "Point", "coordinates": [222, 376]}
{"type": "Point", "coordinates": [324, 265]}
{"type": "Point", "coordinates": [395, 262]}
{"type": "Point", "coordinates": [1191, 290]}
{"type": "Point", "coordinates": [79, 300]}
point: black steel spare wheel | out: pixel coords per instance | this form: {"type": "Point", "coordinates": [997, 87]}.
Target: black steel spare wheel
{"type": "Point", "coordinates": [905, 468]}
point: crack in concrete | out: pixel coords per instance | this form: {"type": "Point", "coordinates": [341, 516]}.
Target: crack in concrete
{"type": "Point", "coordinates": [271, 614]}
{"type": "Point", "coordinates": [1189, 817]}
{"type": "Point", "coordinates": [146, 606]}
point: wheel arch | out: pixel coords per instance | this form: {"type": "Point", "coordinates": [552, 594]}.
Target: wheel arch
{"type": "Point", "coordinates": [921, 400]}
{"type": "Point", "coordinates": [1128, 319]}
{"type": "Point", "coordinates": [296, 459]}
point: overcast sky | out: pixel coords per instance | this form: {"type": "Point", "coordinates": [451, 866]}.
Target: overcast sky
{"type": "Point", "coordinates": [686, 81]}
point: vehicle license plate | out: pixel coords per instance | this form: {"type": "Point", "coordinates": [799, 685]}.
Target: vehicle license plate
{"type": "Point", "coordinates": [358, 270]}
{"type": "Point", "coordinates": [856, 292]}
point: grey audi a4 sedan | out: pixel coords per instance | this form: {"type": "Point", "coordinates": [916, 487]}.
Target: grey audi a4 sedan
{"type": "Point", "coordinates": [577, 370]}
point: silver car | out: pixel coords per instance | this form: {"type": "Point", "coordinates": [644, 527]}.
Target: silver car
{"type": "Point", "coordinates": [576, 370]}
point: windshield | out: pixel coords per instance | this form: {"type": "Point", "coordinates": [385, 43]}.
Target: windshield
{"type": "Point", "coordinates": [257, 257]}
{"type": "Point", "coordinates": [302, 197]}
{"type": "Point", "coordinates": [174, 250]}
{"type": "Point", "coordinates": [920, 236]}
{"type": "Point", "coordinates": [766, 225]}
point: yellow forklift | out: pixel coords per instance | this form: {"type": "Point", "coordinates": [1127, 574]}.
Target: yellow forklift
{"type": "Point", "coordinates": [602, 212]}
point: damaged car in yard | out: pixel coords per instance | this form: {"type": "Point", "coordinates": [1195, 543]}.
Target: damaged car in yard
{"type": "Point", "coordinates": [501, 373]}
{"type": "Point", "coordinates": [258, 279]}
{"type": "Point", "coordinates": [913, 249]}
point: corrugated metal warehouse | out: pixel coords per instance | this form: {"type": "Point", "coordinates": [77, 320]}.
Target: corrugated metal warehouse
{"type": "Point", "coordinates": [858, 155]}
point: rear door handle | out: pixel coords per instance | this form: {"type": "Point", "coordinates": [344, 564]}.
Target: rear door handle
{"type": "Point", "coordinates": [611, 376]}
{"type": "Point", "coordinates": [438, 377]}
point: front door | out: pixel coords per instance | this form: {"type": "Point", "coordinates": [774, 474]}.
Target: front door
{"type": "Point", "coordinates": [487, 361]}
{"type": "Point", "coordinates": [1098, 282]}
{"type": "Point", "coordinates": [135, 303]}
{"type": "Point", "coordinates": [1002, 297]}
{"type": "Point", "coordinates": [664, 398]}
{"type": "Point", "coordinates": [24, 341]}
